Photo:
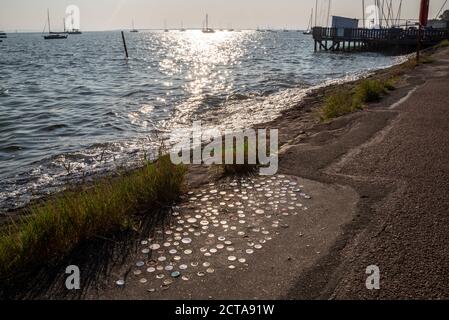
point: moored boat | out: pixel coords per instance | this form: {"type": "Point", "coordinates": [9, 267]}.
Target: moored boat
{"type": "Point", "coordinates": [53, 35]}
{"type": "Point", "coordinates": [182, 27]}
{"type": "Point", "coordinates": [309, 27]}
{"type": "Point", "coordinates": [134, 30]}
{"type": "Point", "coordinates": [207, 29]}
{"type": "Point", "coordinates": [72, 29]}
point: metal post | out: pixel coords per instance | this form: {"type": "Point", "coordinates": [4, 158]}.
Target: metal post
{"type": "Point", "coordinates": [124, 45]}
{"type": "Point", "coordinates": [418, 47]}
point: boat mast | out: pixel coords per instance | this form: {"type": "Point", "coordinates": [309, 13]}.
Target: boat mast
{"type": "Point", "coordinates": [381, 15]}
{"type": "Point", "coordinates": [316, 10]}
{"type": "Point", "coordinates": [390, 12]}
{"type": "Point", "coordinates": [311, 21]}
{"type": "Point", "coordinates": [399, 14]}
{"type": "Point", "coordinates": [207, 21]}
{"type": "Point", "coordinates": [48, 16]}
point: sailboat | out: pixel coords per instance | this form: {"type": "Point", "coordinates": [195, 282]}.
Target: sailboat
{"type": "Point", "coordinates": [134, 30]}
{"type": "Point", "coordinates": [309, 28]}
{"type": "Point", "coordinates": [207, 29]}
{"type": "Point", "coordinates": [53, 35]}
{"type": "Point", "coordinates": [72, 30]}
{"type": "Point", "coordinates": [182, 27]}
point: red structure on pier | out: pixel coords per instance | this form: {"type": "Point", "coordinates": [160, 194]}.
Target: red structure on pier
{"type": "Point", "coordinates": [424, 12]}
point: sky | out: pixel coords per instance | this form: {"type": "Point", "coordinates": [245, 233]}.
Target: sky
{"type": "Point", "coordinates": [30, 15]}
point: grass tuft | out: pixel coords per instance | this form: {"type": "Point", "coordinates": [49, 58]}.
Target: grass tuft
{"type": "Point", "coordinates": [338, 104]}
{"type": "Point", "coordinates": [347, 101]}
{"type": "Point", "coordinates": [370, 91]}
{"type": "Point", "coordinates": [390, 84]}
{"type": "Point", "coordinates": [54, 228]}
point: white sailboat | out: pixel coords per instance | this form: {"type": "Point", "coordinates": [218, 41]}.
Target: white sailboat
{"type": "Point", "coordinates": [182, 27]}
{"type": "Point", "coordinates": [134, 30]}
{"type": "Point", "coordinates": [72, 29]}
{"type": "Point", "coordinates": [207, 29]}
{"type": "Point", "coordinates": [309, 28]}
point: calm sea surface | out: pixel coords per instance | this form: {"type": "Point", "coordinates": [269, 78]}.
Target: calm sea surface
{"type": "Point", "coordinates": [77, 106]}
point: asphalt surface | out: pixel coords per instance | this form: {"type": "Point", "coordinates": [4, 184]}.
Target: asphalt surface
{"type": "Point", "coordinates": [401, 174]}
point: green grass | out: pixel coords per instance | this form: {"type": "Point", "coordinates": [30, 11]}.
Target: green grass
{"type": "Point", "coordinates": [57, 226]}
{"type": "Point", "coordinates": [343, 101]}
{"type": "Point", "coordinates": [370, 91]}
{"type": "Point", "coordinates": [338, 104]}
{"type": "Point", "coordinates": [390, 84]}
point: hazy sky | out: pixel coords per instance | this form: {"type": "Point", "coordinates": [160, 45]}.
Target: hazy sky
{"type": "Point", "coordinates": [30, 15]}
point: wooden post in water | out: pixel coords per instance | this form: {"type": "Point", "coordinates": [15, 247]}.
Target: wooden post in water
{"type": "Point", "coordinates": [124, 45]}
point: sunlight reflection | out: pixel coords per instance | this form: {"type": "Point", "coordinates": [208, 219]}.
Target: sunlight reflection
{"type": "Point", "coordinates": [202, 62]}
{"type": "Point", "coordinates": [203, 54]}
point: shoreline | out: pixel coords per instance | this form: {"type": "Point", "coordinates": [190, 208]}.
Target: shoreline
{"type": "Point", "coordinates": [309, 128]}
{"type": "Point", "coordinates": [74, 182]}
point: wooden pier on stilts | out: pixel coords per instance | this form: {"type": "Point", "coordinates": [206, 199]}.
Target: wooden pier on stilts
{"type": "Point", "coordinates": [392, 39]}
